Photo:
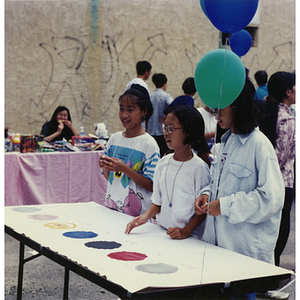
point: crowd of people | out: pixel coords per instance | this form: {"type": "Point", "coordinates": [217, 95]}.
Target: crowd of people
{"type": "Point", "coordinates": [224, 176]}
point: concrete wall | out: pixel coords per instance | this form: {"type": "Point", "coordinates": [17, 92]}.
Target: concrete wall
{"type": "Point", "coordinates": [82, 53]}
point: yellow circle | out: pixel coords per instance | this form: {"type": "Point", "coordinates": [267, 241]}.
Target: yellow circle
{"type": "Point", "coordinates": [60, 225]}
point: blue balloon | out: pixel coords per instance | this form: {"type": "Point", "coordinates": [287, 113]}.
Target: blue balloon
{"type": "Point", "coordinates": [230, 15]}
{"type": "Point", "coordinates": [240, 42]}
{"type": "Point", "coordinates": [202, 6]}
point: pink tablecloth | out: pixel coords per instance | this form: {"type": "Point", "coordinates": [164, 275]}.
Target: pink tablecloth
{"type": "Point", "coordinates": [58, 177]}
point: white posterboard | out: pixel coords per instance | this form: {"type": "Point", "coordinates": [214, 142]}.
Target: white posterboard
{"type": "Point", "coordinates": [80, 231]}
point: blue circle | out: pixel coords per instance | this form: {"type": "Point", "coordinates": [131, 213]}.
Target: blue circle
{"type": "Point", "coordinates": [80, 234]}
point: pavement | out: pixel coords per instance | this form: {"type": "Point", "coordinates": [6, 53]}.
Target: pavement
{"type": "Point", "coordinates": [287, 260]}
{"type": "Point", "coordinates": [43, 279]}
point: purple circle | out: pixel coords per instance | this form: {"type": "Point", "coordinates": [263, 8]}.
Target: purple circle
{"type": "Point", "coordinates": [42, 217]}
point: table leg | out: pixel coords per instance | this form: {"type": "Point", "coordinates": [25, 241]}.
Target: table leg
{"type": "Point", "coordinates": [21, 268]}
{"type": "Point", "coordinates": [66, 284]}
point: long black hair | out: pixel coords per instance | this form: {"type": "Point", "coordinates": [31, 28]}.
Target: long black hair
{"type": "Point", "coordinates": [278, 84]}
{"type": "Point", "coordinates": [244, 111]}
{"type": "Point", "coordinates": [53, 124]}
{"type": "Point", "coordinates": [193, 125]}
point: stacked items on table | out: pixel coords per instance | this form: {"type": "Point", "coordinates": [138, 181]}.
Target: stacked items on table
{"type": "Point", "coordinates": [26, 143]}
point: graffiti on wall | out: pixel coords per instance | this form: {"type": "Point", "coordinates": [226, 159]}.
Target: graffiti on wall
{"type": "Point", "coordinates": [66, 55]}
{"type": "Point", "coordinates": [281, 60]}
{"type": "Point", "coordinates": [118, 55]}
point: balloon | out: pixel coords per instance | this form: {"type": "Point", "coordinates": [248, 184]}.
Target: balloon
{"type": "Point", "coordinates": [230, 15]}
{"type": "Point", "coordinates": [240, 42]}
{"type": "Point", "coordinates": [202, 6]}
{"type": "Point", "coordinates": [219, 78]}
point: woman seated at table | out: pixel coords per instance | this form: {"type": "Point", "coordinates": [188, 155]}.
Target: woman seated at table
{"type": "Point", "coordinates": [59, 127]}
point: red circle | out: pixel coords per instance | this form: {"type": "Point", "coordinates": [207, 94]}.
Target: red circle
{"type": "Point", "coordinates": [127, 256]}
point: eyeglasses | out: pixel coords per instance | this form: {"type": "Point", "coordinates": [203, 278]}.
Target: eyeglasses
{"type": "Point", "coordinates": [168, 128]}
{"type": "Point", "coordinates": [215, 111]}
{"type": "Point", "coordinates": [220, 111]}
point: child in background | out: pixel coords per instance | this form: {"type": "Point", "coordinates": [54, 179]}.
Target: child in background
{"type": "Point", "coordinates": [160, 100]}
{"type": "Point", "coordinates": [180, 176]}
{"type": "Point", "coordinates": [261, 92]}
{"type": "Point", "coordinates": [277, 123]}
{"type": "Point", "coordinates": [130, 156]}
{"type": "Point", "coordinates": [189, 90]}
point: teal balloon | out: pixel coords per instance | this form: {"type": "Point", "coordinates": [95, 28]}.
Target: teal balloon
{"type": "Point", "coordinates": [219, 78]}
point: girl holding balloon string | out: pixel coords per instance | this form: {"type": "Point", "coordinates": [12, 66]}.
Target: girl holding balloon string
{"type": "Point", "coordinates": [244, 200]}
{"type": "Point", "coordinates": [179, 177]}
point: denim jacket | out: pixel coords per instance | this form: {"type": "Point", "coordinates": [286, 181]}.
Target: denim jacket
{"type": "Point", "coordinates": [251, 193]}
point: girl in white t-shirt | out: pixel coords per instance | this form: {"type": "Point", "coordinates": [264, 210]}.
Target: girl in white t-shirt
{"type": "Point", "coordinates": [130, 156]}
{"type": "Point", "coordinates": [179, 177]}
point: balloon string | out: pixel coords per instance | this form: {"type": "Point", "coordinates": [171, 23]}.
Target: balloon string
{"type": "Point", "coordinates": [215, 137]}
{"type": "Point", "coordinates": [215, 174]}
{"type": "Point", "coordinates": [223, 71]}
{"type": "Point", "coordinates": [202, 272]}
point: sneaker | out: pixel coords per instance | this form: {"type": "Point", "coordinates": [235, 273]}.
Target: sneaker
{"type": "Point", "coordinates": [275, 295]}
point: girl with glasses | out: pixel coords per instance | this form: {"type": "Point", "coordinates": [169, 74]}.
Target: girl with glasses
{"type": "Point", "coordinates": [179, 177]}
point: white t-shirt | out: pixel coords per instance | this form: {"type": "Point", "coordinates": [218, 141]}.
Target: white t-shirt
{"type": "Point", "coordinates": [210, 121]}
{"type": "Point", "coordinates": [210, 124]}
{"type": "Point", "coordinates": [139, 81]}
{"type": "Point", "coordinates": [141, 153]}
{"type": "Point", "coordinates": [192, 176]}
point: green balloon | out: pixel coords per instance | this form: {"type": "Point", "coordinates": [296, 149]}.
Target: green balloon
{"type": "Point", "coordinates": [219, 78]}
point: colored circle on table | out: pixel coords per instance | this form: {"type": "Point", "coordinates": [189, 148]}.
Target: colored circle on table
{"type": "Point", "coordinates": [104, 245]}
{"type": "Point", "coordinates": [42, 217]}
{"type": "Point", "coordinates": [80, 234]}
{"type": "Point", "coordinates": [127, 256]}
{"type": "Point", "coordinates": [26, 209]}
{"type": "Point", "coordinates": [60, 225]}
{"type": "Point", "coordinates": [159, 268]}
